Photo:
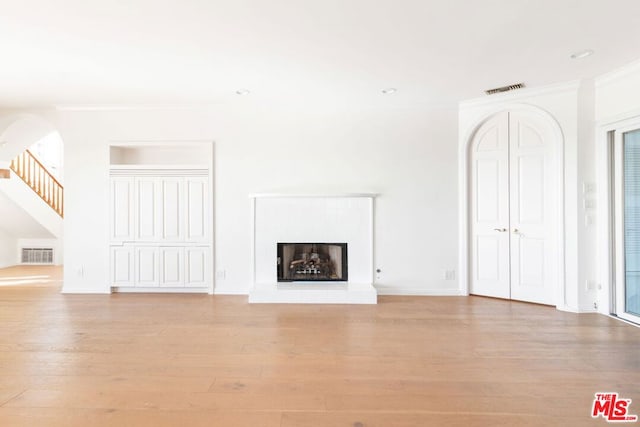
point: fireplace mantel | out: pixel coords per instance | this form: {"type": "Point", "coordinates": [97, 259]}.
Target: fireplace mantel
{"type": "Point", "coordinates": [342, 217]}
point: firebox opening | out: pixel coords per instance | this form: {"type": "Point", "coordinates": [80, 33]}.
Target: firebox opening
{"type": "Point", "coordinates": [312, 262]}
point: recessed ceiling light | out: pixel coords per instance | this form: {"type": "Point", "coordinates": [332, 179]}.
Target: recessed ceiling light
{"type": "Point", "coordinates": [389, 90]}
{"type": "Point", "coordinates": [243, 92]}
{"type": "Point", "coordinates": [582, 54]}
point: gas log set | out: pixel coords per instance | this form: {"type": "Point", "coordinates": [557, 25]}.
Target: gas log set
{"type": "Point", "coordinates": [312, 262]}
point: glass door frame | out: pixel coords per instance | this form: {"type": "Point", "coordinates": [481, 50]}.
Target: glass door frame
{"type": "Point", "coordinates": [618, 284]}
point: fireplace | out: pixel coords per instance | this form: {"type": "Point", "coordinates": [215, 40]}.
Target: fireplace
{"type": "Point", "coordinates": [312, 262]}
{"type": "Point", "coordinates": [302, 219]}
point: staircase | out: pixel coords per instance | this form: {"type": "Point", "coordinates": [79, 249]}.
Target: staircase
{"type": "Point", "coordinates": [31, 207]}
{"type": "Point", "coordinates": [40, 180]}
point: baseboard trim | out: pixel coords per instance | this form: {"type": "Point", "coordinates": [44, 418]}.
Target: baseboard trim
{"type": "Point", "coordinates": [577, 310]}
{"type": "Point", "coordinates": [81, 291]}
{"type": "Point", "coordinates": [403, 291]}
{"type": "Point", "coordinates": [131, 290]}
{"type": "Point", "coordinates": [228, 290]}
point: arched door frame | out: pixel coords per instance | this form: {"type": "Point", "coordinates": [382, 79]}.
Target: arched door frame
{"type": "Point", "coordinates": [464, 183]}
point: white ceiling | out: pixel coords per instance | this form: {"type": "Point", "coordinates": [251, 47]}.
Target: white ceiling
{"type": "Point", "coordinates": [436, 52]}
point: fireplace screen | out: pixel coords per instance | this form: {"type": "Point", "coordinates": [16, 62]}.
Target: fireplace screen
{"type": "Point", "coordinates": [307, 262]}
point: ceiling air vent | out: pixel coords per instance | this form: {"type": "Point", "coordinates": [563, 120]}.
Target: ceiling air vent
{"type": "Point", "coordinates": [504, 88]}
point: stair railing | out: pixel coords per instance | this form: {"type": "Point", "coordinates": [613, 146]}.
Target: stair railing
{"type": "Point", "coordinates": [36, 176]}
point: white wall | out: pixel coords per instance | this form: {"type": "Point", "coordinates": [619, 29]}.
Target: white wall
{"type": "Point", "coordinates": [8, 244]}
{"type": "Point", "coordinates": [571, 105]}
{"type": "Point", "coordinates": [587, 199]}
{"type": "Point", "coordinates": [20, 131]}
{"type": "Point", "coordinates": [407, 156]}
{"type": "Point", "coordinates": [25, 213]}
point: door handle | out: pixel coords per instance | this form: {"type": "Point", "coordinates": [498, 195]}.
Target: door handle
{"type": "Point", "coordinates": [516, 231]}
{"type": "Point", "coordinates": [501, 230]}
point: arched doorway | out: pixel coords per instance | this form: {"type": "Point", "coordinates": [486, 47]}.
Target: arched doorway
{"type": "Point", "coordinates": [32, 198]}
{"type": "Point", "coordinates": [514, 215]}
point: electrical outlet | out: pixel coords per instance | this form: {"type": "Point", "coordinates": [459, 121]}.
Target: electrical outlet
{"type": "Point", "coordinates": [450, 275]}
{"type": "Point", "coordinates": [591, 285]}
{"type": "Point", "coordinates": [221, 274]}
{"type": "Point", "coordinates": [80, 271]}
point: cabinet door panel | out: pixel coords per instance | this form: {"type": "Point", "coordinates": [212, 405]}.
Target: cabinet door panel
{"type": "Point", "coordinates": [172, 267]}
{"type": "Point", "coordinates": [122, 201]}
{"type": "Point", "coordinates": [122, 266]}
{"type": "Point", "coordinates": [197, 266]}
{"type": "Point", "coordinates": [197, 212]}
{"type": "Point", "coordinates": [172, 211]}
{"type": "Point", "coordinates": [147, 212]}
{"type": "Point", "coordinates": [147, 267]}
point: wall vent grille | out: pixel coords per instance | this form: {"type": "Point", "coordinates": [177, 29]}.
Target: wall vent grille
{"type": "Point", "coordinates": [37, 256]}
{"type": "Point", "coordinates": [504, 88]}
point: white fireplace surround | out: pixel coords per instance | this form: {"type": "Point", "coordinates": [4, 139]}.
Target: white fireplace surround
{"type": "Point", "coordinates": [294, 218]}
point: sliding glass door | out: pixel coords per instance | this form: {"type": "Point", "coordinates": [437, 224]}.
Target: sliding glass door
{"type": "Point", "coordinates": [627, 223]}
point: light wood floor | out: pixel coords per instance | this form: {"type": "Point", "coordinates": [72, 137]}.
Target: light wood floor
{"type": "Point", "coordinates": [197, 360]}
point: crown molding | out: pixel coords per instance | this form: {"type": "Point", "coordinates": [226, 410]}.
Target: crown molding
{"type": "Point", "coordinates": [612, 76]}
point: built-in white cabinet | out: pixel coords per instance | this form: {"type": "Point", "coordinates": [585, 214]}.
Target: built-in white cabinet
{"type": "Point", "coordinates": [160, 228]}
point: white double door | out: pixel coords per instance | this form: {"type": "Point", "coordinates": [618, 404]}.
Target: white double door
{"type": "Point", "coordinates": [513, 209]}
